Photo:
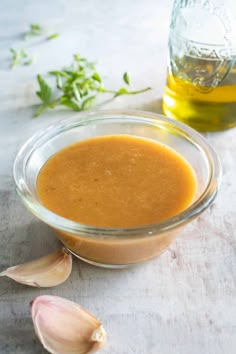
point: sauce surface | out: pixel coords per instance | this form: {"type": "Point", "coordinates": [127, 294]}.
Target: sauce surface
{"type": "Point", "coordinates": [116, 181]}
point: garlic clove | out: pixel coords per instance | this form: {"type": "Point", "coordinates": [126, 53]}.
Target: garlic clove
{"type": "Point", "coordinates": [63, 326]}
{"type": "Point", "coordinates": [47, 271]}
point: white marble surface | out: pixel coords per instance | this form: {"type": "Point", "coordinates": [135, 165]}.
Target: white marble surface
{"type": "Point", "coordinates": [181, 302]}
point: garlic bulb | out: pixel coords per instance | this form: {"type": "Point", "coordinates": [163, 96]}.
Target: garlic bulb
{"type": "Point", "coordinates": [47, 271]}
{"type": "Point", "coordinates": [63, 326]}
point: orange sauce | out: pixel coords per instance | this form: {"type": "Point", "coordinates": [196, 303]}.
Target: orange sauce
{"type": "Point", "coordinates": [116, 181]}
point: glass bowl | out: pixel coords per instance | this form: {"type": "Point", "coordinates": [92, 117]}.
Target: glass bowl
{"type": "Point", "coordinates": [117, 247]}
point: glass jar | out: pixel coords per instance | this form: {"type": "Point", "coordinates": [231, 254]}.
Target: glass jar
{"type": "Point", "coordinates": [201, 82]}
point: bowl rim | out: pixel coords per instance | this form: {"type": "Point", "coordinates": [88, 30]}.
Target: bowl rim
{"type": "Point", "coordinates": [85, 118]}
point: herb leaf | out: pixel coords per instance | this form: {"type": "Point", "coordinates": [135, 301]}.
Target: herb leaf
{"type": "Point", "coordinates": [77, 57]}
{"type": "Point", "coordinates": [59, 72]}
{"type": "Point", "coordinates": [97, 77]}
{"type": "Point", "coordinates": [88, 103]}
{"type": "Point", "coordinates": [126, 78]}
{"type": "Point", "coordinates": [45, 92]}
{"type": "Point", "coordinates": [53, 36]}
{"type": "Point", "coordinates": [36, 28]}
{"type": "Point", "coordinates": [121, 91]}
{"type": "Point", "coordinates": [65, 101]}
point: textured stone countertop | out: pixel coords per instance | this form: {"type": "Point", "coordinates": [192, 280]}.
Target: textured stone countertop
{"type": "Point", "coordinates": [181, 302]}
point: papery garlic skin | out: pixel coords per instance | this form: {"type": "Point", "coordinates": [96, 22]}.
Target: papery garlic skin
{"type": "Point", "coordinates": [64, 327]}
{"type": "Point", "coordinates": [47, 271]}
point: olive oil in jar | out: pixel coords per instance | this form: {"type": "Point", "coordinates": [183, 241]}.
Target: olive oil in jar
{"type": "Point", "coordinates": [197, 99]}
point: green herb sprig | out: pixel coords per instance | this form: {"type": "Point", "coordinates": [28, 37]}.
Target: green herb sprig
{"type": "Point", "coordinates": [34, 30]}
{"type": "Point", "coordinates": [20, 57]}
{"type": "Point", "coordinates": [77, 87]}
